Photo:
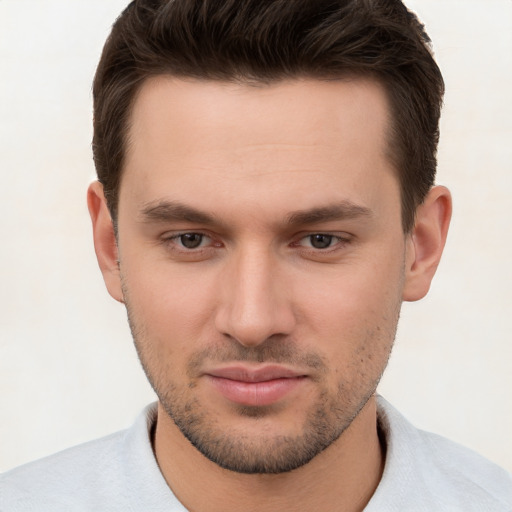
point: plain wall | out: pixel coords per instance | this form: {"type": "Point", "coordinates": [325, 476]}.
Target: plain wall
{"type": "Point", "coordinates": [68, 371]}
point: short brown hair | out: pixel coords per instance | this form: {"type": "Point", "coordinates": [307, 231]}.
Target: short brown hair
{"type": "Point", "coordinates": [267, 41]}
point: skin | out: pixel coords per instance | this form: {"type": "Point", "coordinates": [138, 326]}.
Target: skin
{"type": "Point", "coordinates": [255, 172]}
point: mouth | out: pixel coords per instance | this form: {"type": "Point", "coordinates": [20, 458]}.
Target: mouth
{"type": "Point", "coordinates": [260, 386]}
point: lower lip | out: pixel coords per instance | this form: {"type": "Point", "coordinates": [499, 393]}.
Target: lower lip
{"type": "Point", "coordinates": [255, 393]}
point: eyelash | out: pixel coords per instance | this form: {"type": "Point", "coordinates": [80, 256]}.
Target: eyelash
{"type": "Point", "coordinates": [174, 240]}
{"type": "Point", "coordinates": [341, 241]}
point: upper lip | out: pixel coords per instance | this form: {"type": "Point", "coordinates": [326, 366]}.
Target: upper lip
{"type": "Point", "coordinates": [258, 374]}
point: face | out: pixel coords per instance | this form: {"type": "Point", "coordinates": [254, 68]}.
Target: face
{"type": "Point", "coordinates": [261, 260]}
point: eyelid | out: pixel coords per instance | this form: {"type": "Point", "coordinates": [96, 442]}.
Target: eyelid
{"type": "Point", "coordinates": [171, 238]}
{"type": "Point", "coordinates": [341, 235]}
{"type": "Point", "coordinates": [342, 239]}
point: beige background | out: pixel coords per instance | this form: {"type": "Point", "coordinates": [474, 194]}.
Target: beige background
{"type": "Point", "coordinates": [68, 371]}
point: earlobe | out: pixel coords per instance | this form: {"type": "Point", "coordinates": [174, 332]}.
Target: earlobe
{"type": "Point", "coordinates": [105, 244]}
{"type": "Point", "coordinates": [426, 242]}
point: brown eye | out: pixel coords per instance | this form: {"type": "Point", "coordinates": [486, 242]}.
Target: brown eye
{"type": "Point", "coordinates": [191, 240]}
{"type": "Point", "coordinates": [320, 241]}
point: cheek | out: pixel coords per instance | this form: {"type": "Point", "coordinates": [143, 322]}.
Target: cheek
{"type": "Point", "coordinates": [173, 307]}
{"type": "Point", "coordinates": [352, 294]}
{"type": "Point", "coordinates": [353, 316]}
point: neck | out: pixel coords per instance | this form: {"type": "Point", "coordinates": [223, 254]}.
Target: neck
{"type": "Point", "coordinates": [343, 477]}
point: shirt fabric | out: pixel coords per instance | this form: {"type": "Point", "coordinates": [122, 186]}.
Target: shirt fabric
{"type": "Point", "coordinates": [423, 472]}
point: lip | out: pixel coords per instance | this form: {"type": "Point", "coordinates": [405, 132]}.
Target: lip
{"type": "Point", "coordinates": [254, 374]}
{"type": "Point", "coordinates": [259, 386]}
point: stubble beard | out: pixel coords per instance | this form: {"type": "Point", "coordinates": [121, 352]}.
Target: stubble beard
{"type": "Point", "coordinates": [243, 453]}
{"type": "Point", "coordinates": [234, 449]}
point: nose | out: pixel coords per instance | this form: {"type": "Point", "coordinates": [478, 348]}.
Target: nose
{"type": "Point", "coordinates": [253, 303]}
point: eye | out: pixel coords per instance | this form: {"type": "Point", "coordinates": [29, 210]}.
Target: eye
{"type": "Point", "coordinates": [321, 241]}
{"type": "Point", "coordinates": [188, 241]}
{"type": "Point", "coordinates": [191, 240]}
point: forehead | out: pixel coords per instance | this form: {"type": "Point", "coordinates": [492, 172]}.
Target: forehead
{"type": "Point", "coordinates": [287, 112]}
{"type": "Point", "coordinates": [221, 143]}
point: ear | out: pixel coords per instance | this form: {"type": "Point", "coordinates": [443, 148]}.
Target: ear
{"type": "Point", "coordinates": [105, 243]}
{"type": "Point", "coordinates": [425, 243]}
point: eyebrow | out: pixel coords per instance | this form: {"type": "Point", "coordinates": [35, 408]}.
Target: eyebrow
{"type": "Point", "coordinates": [174, 211]}
{"type": "Point", "coordinates": [338, 211]}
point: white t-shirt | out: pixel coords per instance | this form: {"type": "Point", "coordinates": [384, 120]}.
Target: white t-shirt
{"type": "Point", "coordinates": [423, 472]}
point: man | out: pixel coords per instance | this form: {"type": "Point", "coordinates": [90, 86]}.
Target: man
{"type": "Point", "coordinates": [265, 203]}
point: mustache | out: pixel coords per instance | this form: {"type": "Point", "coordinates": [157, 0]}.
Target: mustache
{"type": "Point", "coordinates": [272, 350]}
{"type": "Point", "coordinates": [277, 349]}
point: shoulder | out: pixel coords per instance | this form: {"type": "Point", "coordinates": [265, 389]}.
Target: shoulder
{"type": "Point", "coordinates": [471, 475]}
{"type": "Point", "coordinates": [63, 479]}
{"type": "Point", "coordinates": [117, 472]}
{"type": "Point", "coordinates": [435, 473]}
